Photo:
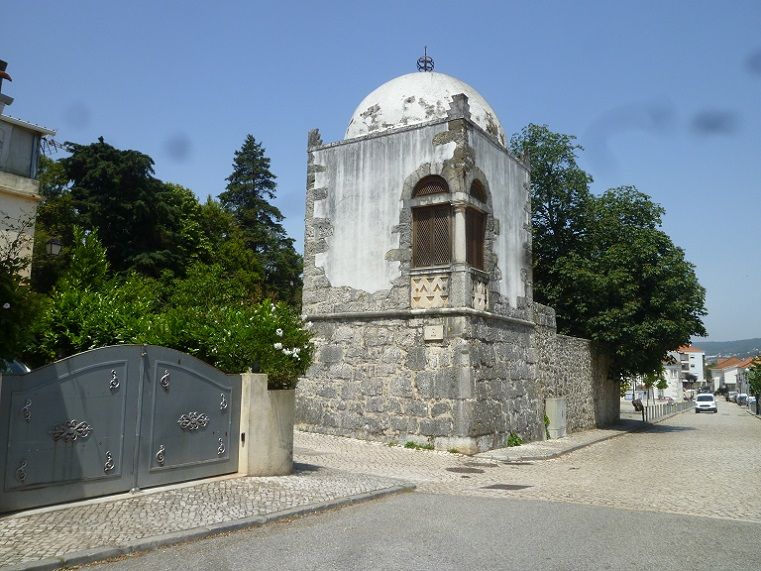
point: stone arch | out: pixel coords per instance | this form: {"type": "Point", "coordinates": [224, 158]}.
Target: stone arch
{"type": "Point", "coordinates": [430, 185]}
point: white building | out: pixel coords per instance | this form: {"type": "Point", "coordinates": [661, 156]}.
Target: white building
{"type": "Point", "coordinates": [732, 373]}
{"type": "Point", "coordinates": [691, 362]}
{"type": "Point", "coordinates": [19, 155]}
{"type": "Point", "coordinates": [418, 279]}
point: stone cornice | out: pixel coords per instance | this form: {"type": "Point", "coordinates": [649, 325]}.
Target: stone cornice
{"type": "Point", "coordinates": [415, 313]}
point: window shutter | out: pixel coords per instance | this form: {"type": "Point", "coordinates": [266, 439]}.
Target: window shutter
{"type": "Point", "coordinates": [475, 233]}
{"type": "Point", "coordinates": [431, 236]}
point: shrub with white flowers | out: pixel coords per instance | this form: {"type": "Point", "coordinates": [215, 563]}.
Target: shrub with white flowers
{"type": "Point", "coordinates": [266, 337]}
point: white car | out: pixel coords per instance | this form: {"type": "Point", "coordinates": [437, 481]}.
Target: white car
{"type": "Point", "coordinates": [705, 403]}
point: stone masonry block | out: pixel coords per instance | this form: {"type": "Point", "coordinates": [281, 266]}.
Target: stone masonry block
{"type": "Point", "coordinates": [331, 354]}
{"type": "Point", "coordinates": [415, 358]}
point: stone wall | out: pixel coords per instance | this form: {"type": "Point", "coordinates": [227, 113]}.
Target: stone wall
{"type": "Point", "coordinates": [569, 367]}
{"type": "Point", "coordinates": [379, 379]}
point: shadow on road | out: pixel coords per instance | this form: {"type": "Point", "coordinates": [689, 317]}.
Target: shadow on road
{"type": "Point", "coordinates": [299, 467]}
{"type": "Point", "coordinates": [656, 428]}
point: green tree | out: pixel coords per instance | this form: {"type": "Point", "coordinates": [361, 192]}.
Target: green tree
{"type": "Point", "coordinates": [628, 287]}
{"type": "Point", "coordinates": [19, 305]}
{"type": "Point", "coordinates": [651, 300]}
{"type": "Point", "coordinates": [754, 381]}
{"type": "Point", "coordinates": [604, 264]}
{"type": "Point", "coordinates": [91, 308]}
{"type": "Point", "coordinates": [56, 218]}
{"type": "Point", "coordinates": [228, 249]}
{"type": "Point", "coordinates": [560, 200]}
{"type": "Point", "coordinates": [115, 193]}
{"type": "Point", "coordinates": [250, 188]}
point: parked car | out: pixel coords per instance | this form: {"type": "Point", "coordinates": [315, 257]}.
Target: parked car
{"type": "Point", "coordinates": [13, 367]}
{"type": "Point", "coordinates": [751, 402]}
{"type": "Point", "coordinates": [742, 399]}
{"type": "Point", "coordinates": [732, 396]}
{"type": "Point", "coordinates": [705, 403]}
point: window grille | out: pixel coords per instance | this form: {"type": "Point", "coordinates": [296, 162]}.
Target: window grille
{"type": "Point", "coordinates": [431, 235]}
{"type": "Point", "coordinates": [475, 233]}
{"type": "Point", "coordinates": [478, 191]}
{"type": "Point", "coordinates": [430, 185]}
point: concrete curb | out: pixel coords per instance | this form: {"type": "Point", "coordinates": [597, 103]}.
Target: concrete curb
{"type": "Point", "coordinates": [753, 414]}
{"type": "Point", "coordinates": [75, 558]}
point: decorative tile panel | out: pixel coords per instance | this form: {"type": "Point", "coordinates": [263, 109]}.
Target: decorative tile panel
{"type": "Point", "coordinates": [430, 291]}
{"type": "Point", "coordinates": [480, 294]}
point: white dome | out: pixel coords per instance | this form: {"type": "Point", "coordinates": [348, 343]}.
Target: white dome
{"type": "Point", "coordinates": [417, 98]}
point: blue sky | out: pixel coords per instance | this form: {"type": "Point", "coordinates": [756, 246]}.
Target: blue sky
{"type": "Point", "coordinates": [663, 95]}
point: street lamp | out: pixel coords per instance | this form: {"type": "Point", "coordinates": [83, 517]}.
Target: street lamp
{"type": "Point", "coordinates": [53, 247]}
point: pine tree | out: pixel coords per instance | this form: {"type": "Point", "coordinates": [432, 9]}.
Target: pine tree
{"type": "Point", "coordinates": [250, 188]}
{"type": "Point", "coordinates": [114, 191]}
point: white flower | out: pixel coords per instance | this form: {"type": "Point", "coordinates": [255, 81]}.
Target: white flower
{"type": "Point", "coordinates": [308, 325]}
{"type": "Point", "coordinates": [272, 307]}
{"type": "Point", "coordinates": [287, 352]}
{"type": "Point", "coordinates": [296, 351]}
{"type": "Point", "coordinates": [279, 332]}
{"type": "Point", "coordinates": [303, 317]}
{"type": "Point", "coordinates": [6, 305]}
{"type": "Point", "coordinates": [278, 346]}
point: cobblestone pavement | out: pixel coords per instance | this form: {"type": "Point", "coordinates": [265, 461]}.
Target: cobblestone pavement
{"type": "Point", "coordinates": [687, 464]}
{"type": "Point", "coordinates": [694, 464]}
{"type": "Point", "coordinates": [122, 523]}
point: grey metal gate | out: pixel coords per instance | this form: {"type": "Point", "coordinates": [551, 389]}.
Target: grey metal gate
{"type": "Point", "coordinates": [113, 419]}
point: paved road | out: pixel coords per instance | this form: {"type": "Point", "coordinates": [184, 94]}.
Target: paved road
{"type": "Point", "coordinates": [436, 532]}
{"type": "Point", "coordinates": [689, 464]}
{"type": "Point", "coordinates": [664, 498]}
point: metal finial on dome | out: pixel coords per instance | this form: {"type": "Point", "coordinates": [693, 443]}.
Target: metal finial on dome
{"type": "Point", "coordinates": [425, 63]}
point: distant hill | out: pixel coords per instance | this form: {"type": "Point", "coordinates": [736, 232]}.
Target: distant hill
{"type": "Point", "coordinates": [740, 348]}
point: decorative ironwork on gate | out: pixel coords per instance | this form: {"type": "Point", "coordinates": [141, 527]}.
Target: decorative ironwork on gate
{"type": "Point", "coordinates": [113, 419]}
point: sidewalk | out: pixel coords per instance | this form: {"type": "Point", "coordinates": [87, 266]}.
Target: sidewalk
{"type": "Point", "coordinates": [77, 533]}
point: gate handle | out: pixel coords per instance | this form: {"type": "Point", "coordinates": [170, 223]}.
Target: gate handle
{"type": "Point", "coordinates": [109, 465]}
{"type": "Point", "coordinates": [21, 471]}
{"type": "Point", "coordinates": [113, 384]}
{"type": "Point", "coordinates": [160, 455]}
{"type": "Point", "coordinates": [164, 381]}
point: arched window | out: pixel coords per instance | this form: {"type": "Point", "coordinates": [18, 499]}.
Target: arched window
{"type": "Point", "coordinates": [431, 235]}
{"type": "Point", "coordinates": [478, 191]}
{"type": "Point", "coordinates": [430, 185]}
{"type": "Point", "coordinates": [431, 225]}
{"type": "Point", "coordinates": [475, 235]}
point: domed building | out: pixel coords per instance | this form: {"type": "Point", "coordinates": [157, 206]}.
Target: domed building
{"type": "Point", "coordinates": [417, 276]}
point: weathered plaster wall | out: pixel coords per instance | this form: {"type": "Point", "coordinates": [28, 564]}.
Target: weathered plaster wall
{"type": "Point", "coordinates": [362, 199]}
{"type": "Point", "coordinates": [18, 201]}
{"type": "Point", "coordinates": [507, 181]}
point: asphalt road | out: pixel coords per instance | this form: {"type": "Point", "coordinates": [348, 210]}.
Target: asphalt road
{"type": "Point", "coordinates": [638, 501]}
{"type": "Point", "coordinates": [442, 532]}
